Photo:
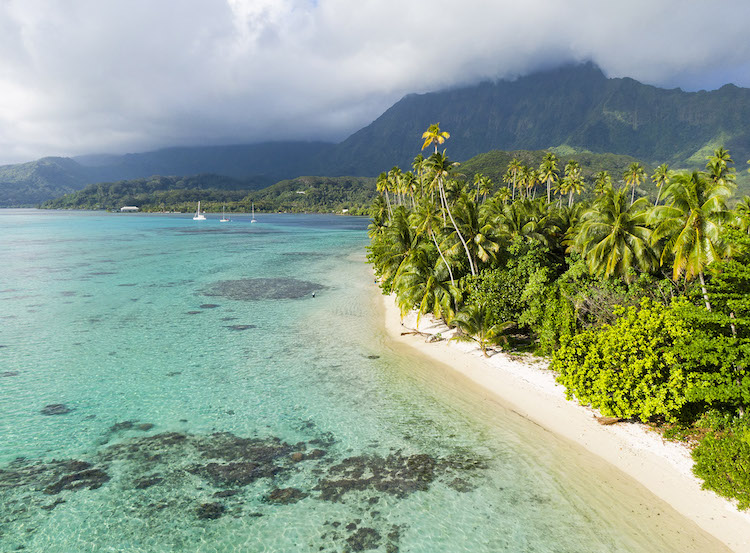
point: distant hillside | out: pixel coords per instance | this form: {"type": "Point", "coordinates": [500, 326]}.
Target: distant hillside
{"type": "Point", "coordinates": [270, 160]}
{"type": "Point", "coordinates": [575, 106]}
{"type": "Point", "coordinates": [156, 193]}
{"type": "Point", "coordinates": [36, 181]}
{"type": "Point", "coordinates": [303, 194]}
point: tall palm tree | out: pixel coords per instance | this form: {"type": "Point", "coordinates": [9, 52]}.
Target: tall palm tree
{"type": "Point", "coordinates": [475, 225]}
{"type": "Point", "coordinates": [418, 168]}
{"type": "Point", "coordinates": [425, 219]}
{"type": "Point", "coordinates": [381, 185]}
{"type": "Point", "coordinates": [614, 238]}
{"type": "Point", "coordinates": [634, 175]}
{"type": "Point", "coordinates": [548, 172]}
{"type": "Point", "coordinates": [533, 178]}
{"type": "Point", "coordinates": [434, 136]}
{"type": "Point", "coordinates": [394, 177]}
{"type": "Point", "coordinates": [440, 167]}
{"type": "Point", "coordinates": [661, 178]}
{"type": "Point", "coordinates": [484, 187]}
{"type": "Point", "coordinates": [514, 169]}
{"type": "Point", "coordinates": [524, 175]}
{"type": "Point", "coordinates": [602, 181]}
{"type": "Point", "coordinates": [718, 168]}
{"type": "Point", "coordinates": [690, 226]}
{"type": "Point", "coordinates": [422, 284]}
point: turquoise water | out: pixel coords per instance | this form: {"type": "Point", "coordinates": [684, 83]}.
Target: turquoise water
{"type": "Point", "coordinates": [199, 398]}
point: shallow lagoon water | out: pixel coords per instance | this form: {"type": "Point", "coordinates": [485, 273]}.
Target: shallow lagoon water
{"type": "Point", "coordinates": [198, 398]}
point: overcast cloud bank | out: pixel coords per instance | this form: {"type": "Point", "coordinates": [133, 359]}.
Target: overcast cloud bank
{"type": "Point", "coordinates": [87, 76]}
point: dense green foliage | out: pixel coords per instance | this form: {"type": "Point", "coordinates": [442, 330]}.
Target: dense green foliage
{"type": "Point", "coordinates": [629, 369]}
{"type": "Point", "coordinates": [640, 291]}
{"type": "Point", "coordinates": [722, 460]}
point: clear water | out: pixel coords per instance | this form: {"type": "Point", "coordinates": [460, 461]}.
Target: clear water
{"type": "Point", "coordinates": [238, 422]}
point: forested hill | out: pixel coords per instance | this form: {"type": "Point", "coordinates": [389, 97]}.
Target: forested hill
{"type": "Point", "coordinates": [575, 106]}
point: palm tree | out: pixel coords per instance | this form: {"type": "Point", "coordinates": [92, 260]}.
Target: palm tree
{"type": "Point", "coordinates": [394, 177]}
{"type": "Point", "coordinates": [690, 226]}
{"type": "Point", "coordinates": [532, 179]}
{"type": "Point", "coordinates": [634, 175]}
{"type": "Point", "coordinates": [524, 174]}
{"type": "Point", "coordinates": [476, 228]}
{"type": "Point", "coordinates": [484, 187]}
{"type": "Point", "coordinates": [434, 136]}
{"type": "Point", "coordinates": [548, 172]}
{"type": "Point", "coordinates": [439, 167]}
{"type": "Point", "coordinates": [476, 325]}
{"type": "Point", "coordinates": [503, 195]}
{"type": "Point", "coordinates": [742, 211]}
{"type": "Point", "coordinates": [422, 284]}
{"type": "Point", "coordinates": [425, 220]}
{"type": "Point", "coordinates": [661, 178]}
{"type": "Point", "coordinates": [418, 168]}
{"type": "Point", "coordinates": [718, 168]}
{"type": "Point", "coordinates": [514, 168]}
{"type": "Point", "coordinates": [382, 185]}
{"type": "Point", "coordinates": [613, 238]}
{"type": "Point", "coordinates": [602, 181]}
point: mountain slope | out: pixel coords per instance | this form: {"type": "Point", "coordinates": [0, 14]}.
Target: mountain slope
{"type": "Point", "coordinates": [575, 106]}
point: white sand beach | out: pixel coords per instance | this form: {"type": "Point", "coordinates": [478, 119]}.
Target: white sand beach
{"type": "Point", "coordinates": [525, 385]}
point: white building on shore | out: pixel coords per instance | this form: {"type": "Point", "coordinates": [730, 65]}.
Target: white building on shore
{"type": "Point", "coordinates": [128, 209]}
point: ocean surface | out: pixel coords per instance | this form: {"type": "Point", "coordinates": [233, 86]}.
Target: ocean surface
{"type": "Point", "coordinates": [170, 385]}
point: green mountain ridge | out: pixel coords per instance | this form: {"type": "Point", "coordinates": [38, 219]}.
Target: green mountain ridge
{"type": "Point", "coordinates": [571, 107]}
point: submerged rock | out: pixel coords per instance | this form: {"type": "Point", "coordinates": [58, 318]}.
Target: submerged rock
{"type": "Point", "coordinates": [89, 478]}
{"type": "Point", "coordinates": [252, 289]}
{"type": "Point", "coordinates": [364, 539]}
{"type": "Point", "coordinates": [8, 373]}
{"type": "Point", "coordinates": [208, 305]}
{"type": "Point", "coordinates": [56, 409]}
{"type": "Point", "coordinates": [239, 327]}
{"type": "Point", "coordinates": [285, 496]}
{"type": "Point", "coordinates": [148, 481]}
{"type": "Point", "coordinates": [210, 510]}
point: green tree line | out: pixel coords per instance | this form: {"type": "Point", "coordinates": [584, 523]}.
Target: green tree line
{"type": "Point", "coordinates": [643, 304]}
{"type": "Point", "coordinates": [216, 192]}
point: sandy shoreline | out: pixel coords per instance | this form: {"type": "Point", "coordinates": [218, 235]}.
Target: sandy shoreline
{"type": "Point", "coordinates": [664, 468]}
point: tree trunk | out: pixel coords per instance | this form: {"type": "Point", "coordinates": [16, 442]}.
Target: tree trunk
{"type": "Point", "coordinates": [549, 190]}
{"type": "Point", "coordinates": [632, 195]}
{"type": "Point", "coordinates": [460, 236]}
{"type": "Point", "coordinates": [450, 272]}
{"type": "Point", "coordinates": [570, 199]}
{"type": "Point", "coordinates": [703, 289]}
{"type": "Point", "coordinates": [390, 211]}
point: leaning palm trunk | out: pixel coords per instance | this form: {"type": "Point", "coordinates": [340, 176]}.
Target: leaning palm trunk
{"type": "Point", "coordinates": [460, 236]}
{"type": "Point", "coordinates": [450, 272]}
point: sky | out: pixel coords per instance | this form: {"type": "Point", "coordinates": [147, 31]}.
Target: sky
{"type": "Point", "coordinates": [117, 76]}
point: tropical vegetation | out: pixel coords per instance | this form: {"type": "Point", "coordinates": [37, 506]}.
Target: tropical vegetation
{"type": "Point", "coordinates": [634, 280]}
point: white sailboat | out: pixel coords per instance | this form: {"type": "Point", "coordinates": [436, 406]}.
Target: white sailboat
{"type": "Point", "coordinates": [253, 208]}
{"type": "Point", "coordinates": [198, 215]}
{"type": "Point", "coordinates": [223, 216]}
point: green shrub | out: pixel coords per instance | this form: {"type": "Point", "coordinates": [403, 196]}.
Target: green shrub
{"type": "Point", "coordinates": [722, 460]}
{"type": "Point", "coordinates": [628, 369]}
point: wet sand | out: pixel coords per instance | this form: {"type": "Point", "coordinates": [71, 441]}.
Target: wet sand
{"type": "Point", "coordinates": [527, 387]}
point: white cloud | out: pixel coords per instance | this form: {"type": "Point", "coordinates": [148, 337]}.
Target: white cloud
{"type": "Point", "coordinates": [90, 76]}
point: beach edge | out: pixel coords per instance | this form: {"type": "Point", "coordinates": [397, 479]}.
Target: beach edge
{"type": "Point", "coordinates": [528, 387]}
